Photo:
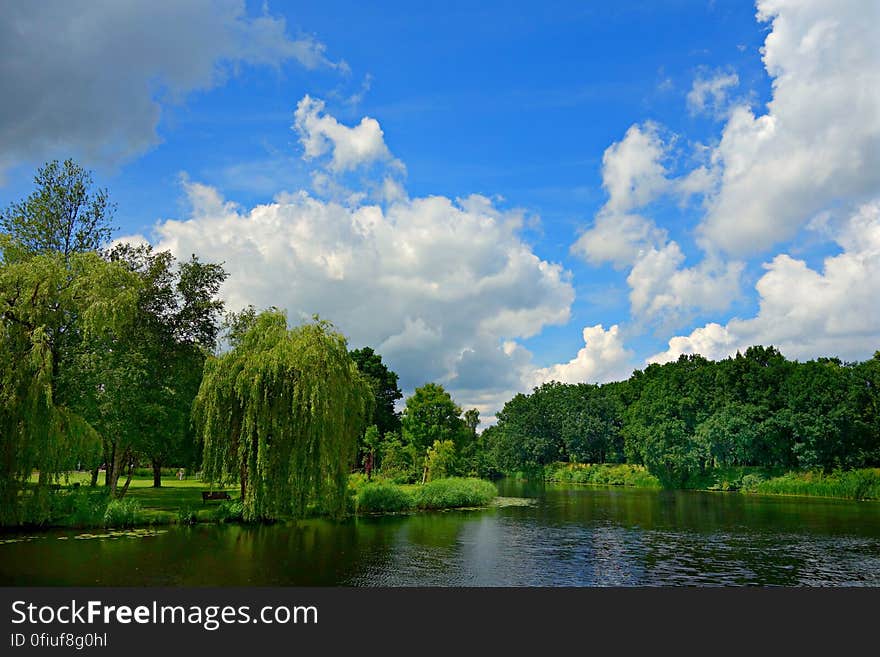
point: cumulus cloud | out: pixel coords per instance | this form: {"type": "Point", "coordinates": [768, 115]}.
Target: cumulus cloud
{"type": "Point", "coordinates": [819, 141]}
{"type": "Point", "coordinates": [603, 358]}
{"type": "Point", "coordinates": [437, 286]}
{"type": "Point", "coordinates": [90, 78]}
{"type": "Point", "coordinates": [633, 174]}
{"type": "Point", "coordinates": [619, 239]}
{"type": "Point", "coordinates": [804, 312]}
{"type": "Point", "coordinates": [632, 169]}
{"type": "Point", "coordinates": [709, 93]}
{"type": "Point", "coordinates": [662, 290]}
{"type": "Point", "coordinates": [349, 148]}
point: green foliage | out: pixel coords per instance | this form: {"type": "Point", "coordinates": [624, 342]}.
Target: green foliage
{"type": "Point", "coordinates": [137, 386]}
{"type": "Point", "coordinates": [399, 462]}
{"type": "Point", "coordinates": [281, 412]}
{"type": "Point", "coordinates": [48, 307]}
{"type": "Point", "coordinates": [862, 484]}
{"type": "Point", "coordinates": [123, 513]}
{"type": "Point", "coordinates": [63, 215]}
{"type": "Point", "coordinates": [383, 383]}
{"type": "Point", "coordinates": [229, 511]}
{"type": "Point", "coordinates": [186, 515]}
{"type": "Point", "coordinates": [454, 492]}
{"type": "Point", "coordinates": [378, 497]}
{"type": "Point", "coordinates": [691, 421]}
{"type": "Point", "coordinates": [432, 415]}
{"type": "Point", "coordinates": [750, 482]}
{"type": "Point", "coordinates": [603, 474]}
{"type": "Point", "coordinates": [40, 506]}
{"type": "Point", "coordinates": [440, 460]}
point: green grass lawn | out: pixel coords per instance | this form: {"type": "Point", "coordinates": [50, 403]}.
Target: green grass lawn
{"type": "Point", "coordinates": [160, 505]}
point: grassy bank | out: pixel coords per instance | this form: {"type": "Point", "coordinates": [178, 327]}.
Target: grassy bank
{"type": "Point", "coordinates": [863, 484]}
{"type": "Point", "coordinates": [451, 493]}
{"type": "Point", "coordinates": [76, 505]}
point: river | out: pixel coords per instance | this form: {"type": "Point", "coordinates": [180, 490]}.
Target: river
{"type": "Point", "coordinates": [565, 536]}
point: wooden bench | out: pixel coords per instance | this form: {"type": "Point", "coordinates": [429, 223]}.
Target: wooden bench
{"type": "Point", "coordinates": [214, 495]}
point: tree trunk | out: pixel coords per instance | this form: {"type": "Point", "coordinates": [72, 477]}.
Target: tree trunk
{"type": "Point", "coordinates": [157, 474]}
{"type": "Point", "coordinates": [128, 479]}
{"type": "Point", "coordinates": [110, 475]}
{"type": "Point", "coordinates": [94, 481]}
{"type": "Point", "coordinates": [243, 480]}
{"type": "Point", "coordinates": [114, 469]}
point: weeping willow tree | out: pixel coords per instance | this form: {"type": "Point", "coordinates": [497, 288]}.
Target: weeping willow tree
{"type": "Point", "coordinates": [281, 413]}
{"type": "Point", "coordinates": [47, 307]}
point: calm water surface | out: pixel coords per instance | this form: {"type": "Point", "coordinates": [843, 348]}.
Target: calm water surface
{"type": "Point", "coordinates": [570, 536]}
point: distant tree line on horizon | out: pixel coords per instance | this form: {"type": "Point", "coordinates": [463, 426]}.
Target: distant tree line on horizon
{"type": "Point", "coordinates": [679, 419]}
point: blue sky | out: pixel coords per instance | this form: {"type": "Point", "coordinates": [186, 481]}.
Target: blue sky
{"type": "Point", "coordinates": [646, 172]}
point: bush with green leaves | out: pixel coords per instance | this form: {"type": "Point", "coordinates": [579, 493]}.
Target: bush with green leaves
{"type": "Point", "coordinates": [123, 513]}
{"type": "Point", "coordinates": [863, 484]}
{"type": "Point", "coordinates": [379, 496]}
{"type": "Point", "coordinates": [441, 460]}
{"type": "Point", "coordinates": [601, 474]}
{"type": "Point", "coordinates": [454, 492]}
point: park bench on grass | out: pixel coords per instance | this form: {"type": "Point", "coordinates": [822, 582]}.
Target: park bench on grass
{"type": "Point", "coordinates": [214, 495]}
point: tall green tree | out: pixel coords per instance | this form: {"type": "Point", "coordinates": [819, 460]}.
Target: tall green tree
{"type": "Point", "coordinates": [281, 412]}
{"type": "Point", "coordinates": [44, 300]}
{"type": "Point", "coordinates": [660, 429]}
{"type": "Point", "coordinates": [137, 387]}
{"type": "Point", "coordinates": [63, 215]}
{"type": "Point", "coordinates": [385, 388]}
{"type": "Point", "coordinates": [431, 415]}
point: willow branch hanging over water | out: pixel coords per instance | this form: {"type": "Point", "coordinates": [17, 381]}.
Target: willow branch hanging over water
{"type": "Point", "coordinates": [281, 413]}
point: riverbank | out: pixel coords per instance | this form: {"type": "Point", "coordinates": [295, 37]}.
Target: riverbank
{"type": "Point", "coordinates": [860, 484]}
{"type": "Point", "coordinates": [77, 505]}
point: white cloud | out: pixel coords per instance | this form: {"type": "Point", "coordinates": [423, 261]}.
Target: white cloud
{"type": "Point", "coordinates": [709, 93]}
{"type": "Point", "coordinates": [661, 290]}
{"type": "Point", "coordinates": [603, 358]}
{"type": "Point", "coordinates": [632, 169]}
{"type": "Point", "coordinates": [804, 312]}
{"type": "Point", "coordinates": [350, 148]}
{"type": "Point", "coordinates": [90, 78]}
{"type": "Point", "coordinates": [618, 238]}
{"type": "Point", "coordinates": [436, 286]}
{"type": "Point", "coordinates": [819, 141]}
{"type": "Point", "coordinates": [633, 175]}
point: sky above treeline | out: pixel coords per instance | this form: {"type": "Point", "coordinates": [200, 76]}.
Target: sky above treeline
{"type": "Point", "coordinates": [494, 194]}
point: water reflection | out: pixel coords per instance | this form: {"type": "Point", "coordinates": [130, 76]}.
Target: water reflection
{"type": "Point", "coordinates": [573, 536]}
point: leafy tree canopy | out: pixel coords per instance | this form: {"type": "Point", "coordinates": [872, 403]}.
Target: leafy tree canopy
{"type": "Point", "coordinates": [282, 412]}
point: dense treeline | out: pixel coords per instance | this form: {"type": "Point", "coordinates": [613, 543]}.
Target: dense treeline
{"type": "Point", "coordinates": [684, 417]}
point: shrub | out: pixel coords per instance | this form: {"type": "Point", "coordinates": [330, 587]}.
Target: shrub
{"type": "Point", "coordinates": [122, 513]}
{"type": "Point", "coordinates": [186, 515]}
{"type": "Point", "coordinates": [750, 482]}
{"type": "Point", "coordinates": [87, 508]}
{"type": "Point", "coordinates": [602, 474]}
{"type": "Point", "coordinates": [861, 484]}
{"type": "Point", "coordinates": [229, 511]}
{"type": "Point", "coordinates": [441, 460]}
{"type": "Point", "coordinates": [454, 492]}
{"type": "Point", "coordinates": [379, 496]}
